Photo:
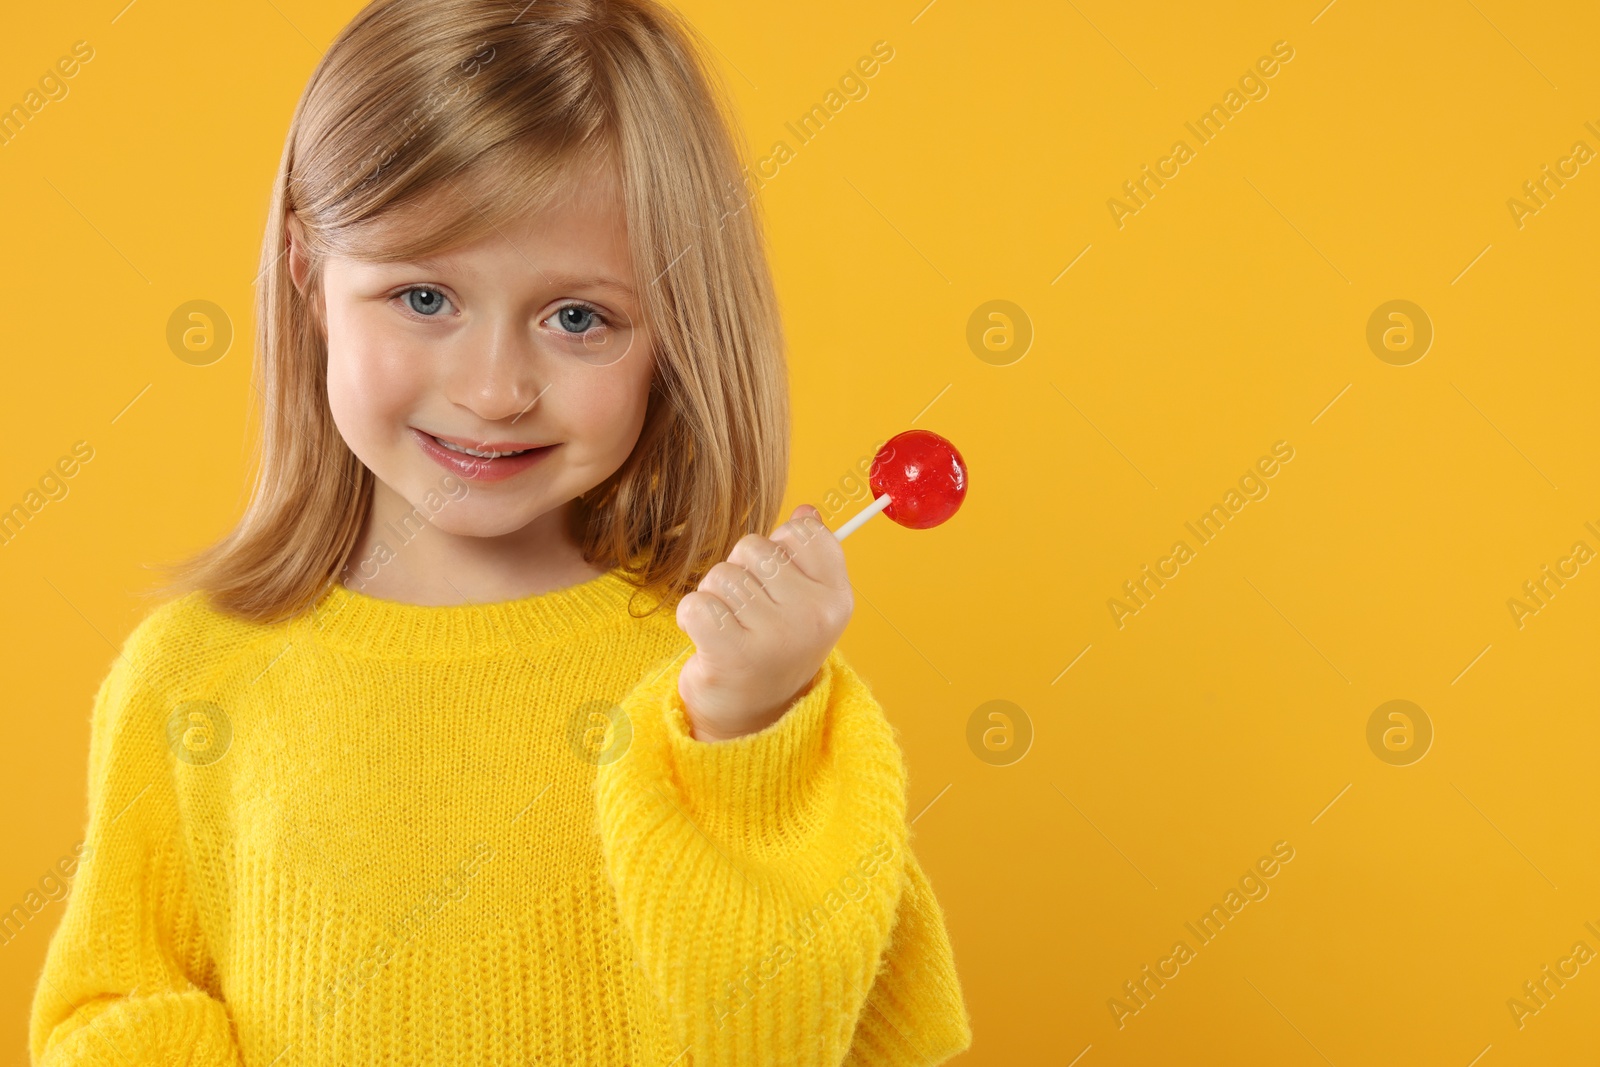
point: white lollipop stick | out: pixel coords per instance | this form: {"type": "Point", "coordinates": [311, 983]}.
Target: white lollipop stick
{"type": "Point", "coordinates": [861, 516]}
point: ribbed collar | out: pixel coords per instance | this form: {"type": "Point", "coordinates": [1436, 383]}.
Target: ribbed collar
{"type": "Point", "coordinates": [346, 619]}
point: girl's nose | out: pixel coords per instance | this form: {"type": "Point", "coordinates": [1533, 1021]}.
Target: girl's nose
{"type": "Point", "coordinates": [498, 378]}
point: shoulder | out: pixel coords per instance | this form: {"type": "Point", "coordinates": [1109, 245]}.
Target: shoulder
{"type": "Point", "coordinates": [181, 641]}
{"type": "Point", "coordinates": [176, 650]}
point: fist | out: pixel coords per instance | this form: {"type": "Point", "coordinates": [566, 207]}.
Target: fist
{"type": "Point", "coordinates": [762, 623]}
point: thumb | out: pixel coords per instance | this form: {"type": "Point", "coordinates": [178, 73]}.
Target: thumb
{"type": "Point", "coordinates": [800, 513]}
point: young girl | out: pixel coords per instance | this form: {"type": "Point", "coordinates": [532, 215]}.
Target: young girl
{"type": "Point", "coordinates": [400, 775]}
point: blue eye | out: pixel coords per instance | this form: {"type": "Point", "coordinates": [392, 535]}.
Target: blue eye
{"type": "Point", "coordinates": [429, 305]}
{"type": "Point", "coordinates": [578, 319]}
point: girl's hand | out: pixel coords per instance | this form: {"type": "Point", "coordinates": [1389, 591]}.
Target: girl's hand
{"type": "Point", "coordinates": [763, 623]}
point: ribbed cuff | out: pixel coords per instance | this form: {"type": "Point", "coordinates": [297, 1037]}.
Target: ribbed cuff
{"type": "Point", "coordinates": [186, 1027]}
{"type": "Point", "coordinates": [916, 1015]}
{"type": "Point", "coordinates": [756, 791]}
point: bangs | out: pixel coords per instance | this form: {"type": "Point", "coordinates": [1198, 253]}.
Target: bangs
{"type": "Point", "coordinates": [484, 197]}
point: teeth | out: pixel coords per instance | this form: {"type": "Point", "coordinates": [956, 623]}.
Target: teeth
{"type": "Point", "coordinates": [476, 453]}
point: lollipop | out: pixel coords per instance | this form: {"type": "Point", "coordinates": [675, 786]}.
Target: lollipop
{"type": "Point", "coordinates": [917, 478]}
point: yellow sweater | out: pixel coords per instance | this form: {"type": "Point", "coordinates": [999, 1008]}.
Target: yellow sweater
{"type": "Point", "coordinates": [384, 833]}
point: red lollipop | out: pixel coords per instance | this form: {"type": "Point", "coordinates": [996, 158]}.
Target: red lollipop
{"type": "Point", "coordinates": [917, 478]}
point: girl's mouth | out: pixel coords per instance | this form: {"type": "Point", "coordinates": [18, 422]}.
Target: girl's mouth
{"type": "Point", "coordinates": [479, 465]}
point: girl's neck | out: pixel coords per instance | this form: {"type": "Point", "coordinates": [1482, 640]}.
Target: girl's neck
{"type": "Point", "coordinates": [401, 557]}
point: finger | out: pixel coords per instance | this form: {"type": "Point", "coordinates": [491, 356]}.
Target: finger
{"type": "Point", "coordinates": [708, 622]}
{"type": "Point", "coordinates": [813, 548]}
{"type": "Point", "coordinates": [770, 563]}
{"type": "Point", "coordinates": [745, 593]}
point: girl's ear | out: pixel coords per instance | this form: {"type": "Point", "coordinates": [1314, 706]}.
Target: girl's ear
{"type": "Point", "coordinates": [299, 268]}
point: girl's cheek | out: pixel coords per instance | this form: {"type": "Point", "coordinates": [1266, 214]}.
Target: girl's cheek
{"type": "Point", "coordinates": [616, 414]}
{"type": "Point", "coordinates": [372, 386]}
{"type": "Point", "coordinates": [381, 372]}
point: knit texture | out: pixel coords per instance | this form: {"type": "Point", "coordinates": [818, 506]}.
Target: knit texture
{"type": "Point", "coordinates": [384, 833]}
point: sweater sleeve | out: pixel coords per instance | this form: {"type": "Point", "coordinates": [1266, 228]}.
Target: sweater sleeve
{"type": "Point", "coordinates": [127, 978]}
{"type": "Point", "coordinates": [915, 1014]}
{"type": "Point", "coordinates": [767, 886]}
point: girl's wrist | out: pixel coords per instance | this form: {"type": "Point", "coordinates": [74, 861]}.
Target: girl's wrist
{"type": "Point", "coordinates": [711, 732]}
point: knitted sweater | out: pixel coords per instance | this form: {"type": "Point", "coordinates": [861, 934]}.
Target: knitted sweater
{"type": "Point", "coordinates": [383, 833]}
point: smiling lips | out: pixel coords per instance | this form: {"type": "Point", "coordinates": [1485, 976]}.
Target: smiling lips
{"type": "Point", "coordinates": [480, 461]}
{"type": "Point", "coordinates": [483, 447]}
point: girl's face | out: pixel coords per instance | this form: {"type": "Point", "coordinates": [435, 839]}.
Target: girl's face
{"type": "Point", "coordinates": [530, 338]}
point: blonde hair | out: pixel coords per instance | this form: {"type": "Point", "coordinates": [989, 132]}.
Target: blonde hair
{"type": "Point", "coordinates": [525, 89]}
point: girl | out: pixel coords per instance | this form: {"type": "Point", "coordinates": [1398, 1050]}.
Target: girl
{"type": "Point", "coordinates": [400, 775]}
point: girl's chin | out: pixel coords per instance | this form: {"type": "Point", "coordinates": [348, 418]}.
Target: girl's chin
{"type": "Point", "coordinates": [454, 506]}
{"type": "Point", "coordinates": [487, 519]}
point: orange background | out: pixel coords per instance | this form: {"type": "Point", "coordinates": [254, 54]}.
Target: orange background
{"type": "Point", "coordinates": [1230, 312]}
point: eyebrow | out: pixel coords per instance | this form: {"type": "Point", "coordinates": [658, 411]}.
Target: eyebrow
{"type": "Point", "coordinates": [564, 281]}
{"type": "Point", "coordinates": [594, 281]}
